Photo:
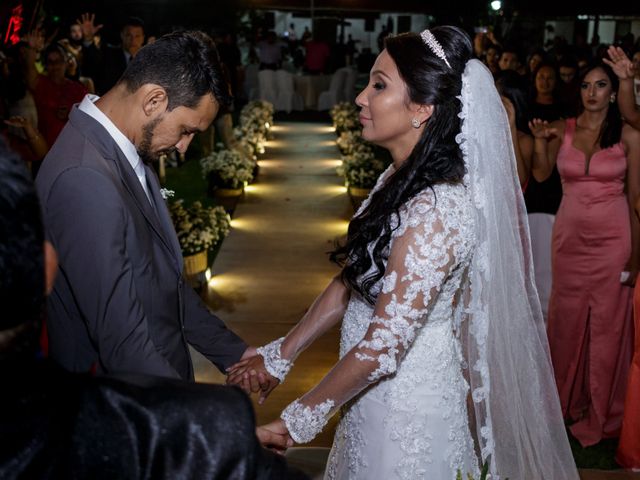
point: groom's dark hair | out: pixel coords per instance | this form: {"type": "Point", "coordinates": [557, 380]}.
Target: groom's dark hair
{"type": "Point", "coordinates": [185, 64]}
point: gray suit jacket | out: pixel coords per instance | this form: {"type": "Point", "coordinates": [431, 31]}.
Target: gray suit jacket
{"type": "Point", "coordinates": [120, 302]}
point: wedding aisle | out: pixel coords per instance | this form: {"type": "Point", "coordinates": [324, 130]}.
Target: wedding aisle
{"type": "Point", "coordinates": [273, 263]}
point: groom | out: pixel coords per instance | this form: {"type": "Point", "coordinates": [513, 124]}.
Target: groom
{"type": "Point", "coordinates": [120, 302]}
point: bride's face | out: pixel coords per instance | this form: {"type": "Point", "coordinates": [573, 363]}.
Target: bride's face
{"type": "Point", "coordinates": [386, 111]}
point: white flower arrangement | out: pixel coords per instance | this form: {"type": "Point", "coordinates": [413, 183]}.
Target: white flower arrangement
{"type": "Point", "coordinates": [345, 117]}
{"type": "Point", "coordinates": [199, 228]}
{"type": "Point", "coordinates": [256, 119]}
{"type": "Point", "coordinates": [361, 169]}
{"type": "Point", "coordinates": [229, 168]}
{"type": "Point", "coordinates": [351, 141]}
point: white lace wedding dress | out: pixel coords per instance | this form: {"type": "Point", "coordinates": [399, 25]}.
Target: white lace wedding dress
{"type": "Point", "coordinates": [410, 419]}
{"type": "Point", "coordinates": [412, 424]}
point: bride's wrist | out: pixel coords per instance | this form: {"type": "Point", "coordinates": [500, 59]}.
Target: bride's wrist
{"type": "Point", "coordinates": [305, 423]}
{"type": "Point", "coordinates": [274, 363]}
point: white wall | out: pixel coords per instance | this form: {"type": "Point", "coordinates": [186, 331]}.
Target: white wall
{"type": "Point", "coordinates": [635, 28]}
{"type": "Point", "coordinates": [356, 29]}
{"type": "Point", "coordinates": [606, 30]}
{"type": "Point", "coordinates": [562, 28]}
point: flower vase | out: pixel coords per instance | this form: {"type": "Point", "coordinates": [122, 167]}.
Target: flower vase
{"type": "Point", "coordinates": [195, 264]}
{"type": "Point", "coordinates": [227, 198]}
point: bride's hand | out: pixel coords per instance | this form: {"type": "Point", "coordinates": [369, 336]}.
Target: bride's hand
{"type": "Point", "coordinates": [251, 375]}
{"type": "Point", "coordinates": [274, 436]}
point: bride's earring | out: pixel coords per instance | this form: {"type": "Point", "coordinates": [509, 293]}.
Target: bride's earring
{"type": "Point", "coordinates": [415, 123]}
{"type": "Point", "coordinates": [613, 98]}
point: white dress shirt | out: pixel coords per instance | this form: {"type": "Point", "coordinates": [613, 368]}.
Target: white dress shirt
{"type": "Point", "coordinates": [129, 149]}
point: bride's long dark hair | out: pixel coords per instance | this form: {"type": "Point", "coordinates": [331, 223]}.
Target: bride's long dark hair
{"type": "Point", "coordinates": [436, 158]}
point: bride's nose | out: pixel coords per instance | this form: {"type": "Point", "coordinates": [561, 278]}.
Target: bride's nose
{"type": "Point", "coordinates": [361, 99]}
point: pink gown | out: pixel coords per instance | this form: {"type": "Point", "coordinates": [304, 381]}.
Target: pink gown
{"type": "Point", "coordinates": [590, 313]}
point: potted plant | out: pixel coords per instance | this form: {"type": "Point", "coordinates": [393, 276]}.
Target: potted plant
{"type": "Point", "coordinates": [360, 170]}
{"type": "Point", "coordinates": [345, 117]}
{"type": "Point", "coordinates": [200, 229]}
{"type": "Point", "coordinates": [227, 170]}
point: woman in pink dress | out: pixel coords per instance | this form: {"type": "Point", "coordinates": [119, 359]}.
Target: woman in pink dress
{"type": "Point", "coordinates": [595, 255]}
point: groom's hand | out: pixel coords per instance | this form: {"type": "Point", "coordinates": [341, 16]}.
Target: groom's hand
{"type": "Point", "coordinates": [274, 436]}
{"type": "Point", "coordinates": [251, 375]}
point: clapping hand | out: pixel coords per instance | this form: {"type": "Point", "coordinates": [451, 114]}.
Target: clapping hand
{"type": "Point", "coordinates": [252, 376]}
{"type": "Point", "coordinates": [620, 63]}
{"type": "Point", "coordinates": [540, 129]}
{"type": "Point", "coordinates": [274, 436]}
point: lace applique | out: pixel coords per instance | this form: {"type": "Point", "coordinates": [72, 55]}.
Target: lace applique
{"type": "Point", "coordinates": [304, 423]}
{"type": "Point", "coordinates": [349, 443]}
{"type": "Point", "coordinates": [273, 361]}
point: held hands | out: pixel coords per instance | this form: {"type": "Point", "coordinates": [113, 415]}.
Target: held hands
{"type": "Point", "coordinates": [540, 129]}
{"type": "Point", "coordinates": [251, 375]}
{"type": "Point", "coordinates": [620, 63]}
{"type": "Point", "coordinates": [274, 436]}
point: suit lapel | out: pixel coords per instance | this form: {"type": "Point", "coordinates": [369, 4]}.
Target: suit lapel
{"type": "Point", "coordinates": [163, 213]}
{"type": "Point", "coordinates": [109, 149]}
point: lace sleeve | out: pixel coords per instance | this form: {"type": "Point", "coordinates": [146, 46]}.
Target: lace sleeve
{"type": "Point", "coordinates": [425, 248]}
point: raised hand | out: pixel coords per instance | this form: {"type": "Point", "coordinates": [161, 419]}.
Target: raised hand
{"type": "Point", "coordinates": [620, 63]}
{"type": "Point", "coordinates": [251, 375]}
{"type": "Point", "coordinates": [87, 23]}
{"type": "Point", "coordinates": [35, 39]}
{"type": "Point", "coordinates": [274, 436]}
{"type": "Point", "coordinates": [540, 129]}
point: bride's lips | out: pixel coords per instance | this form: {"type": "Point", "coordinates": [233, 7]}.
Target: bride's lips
{"type": "Point", "coordinates": [364, 119]}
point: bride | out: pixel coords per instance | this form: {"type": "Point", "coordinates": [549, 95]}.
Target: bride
{"type": "Point", "coordinates": [444, 363]}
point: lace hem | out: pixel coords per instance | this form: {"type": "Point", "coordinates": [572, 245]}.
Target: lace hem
{"type": "Point", "coordinates": [304, 423]}
{"type": "Point", "coordinates": [273, 361]}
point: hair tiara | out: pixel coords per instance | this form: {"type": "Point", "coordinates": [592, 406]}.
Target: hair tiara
{"type": "Point", "coordinates": [434, 46]}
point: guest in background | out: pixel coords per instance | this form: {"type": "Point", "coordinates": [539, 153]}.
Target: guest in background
{"type": "Point", "coordinates": [627, 72]}
{"type": "Point", "coordinates": [628, 454]}
{"type": "Point", "coordinates": [568, 87]}
{"type": "Point", "coordinates": [317, 56]}
{"type": "Point", "coordinates": [534, 60]}
{"type": "Point", "coordinates": [512, 88]}
{"type": "Point", "coordinates": [492, 58]}
{"type": "Point", "coordinates": [270, 52]}
{"type": "Point", "coordinates": [105, 64]}
{"type": "Point", "coordinates": [509, 59]}
{"type": "Point", "coordinates": [21, 114]}
{"type": "Point", "coordinates": [544, 101]}
{"type": "Point", "coordinates": [595, 254]}
{"type": "Point", "coordinates": [544, 105]}
{"type": "Point", "coordinates": [53, 92]}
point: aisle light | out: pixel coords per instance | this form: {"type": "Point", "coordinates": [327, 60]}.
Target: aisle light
{"type": "Point", "coordinates": [496, 5]}
{"type": "Point", "coordinates": [323, 129]}
{"type": "Point", "coordinates": [208, 274]}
